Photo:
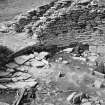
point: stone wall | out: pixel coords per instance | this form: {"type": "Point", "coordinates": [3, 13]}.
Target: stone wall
{"type": "Point", "coordinates": [63, 21]}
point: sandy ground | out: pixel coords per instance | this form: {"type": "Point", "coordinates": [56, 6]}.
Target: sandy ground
{"type": "Point", "coordinates": [10, 8]}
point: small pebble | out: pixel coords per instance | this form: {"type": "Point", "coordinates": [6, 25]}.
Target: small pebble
{"type": "Point", "coordinates": [65, 62]}
{"type": "Point", "coordinates": [101, 101]}
{"type": "Point", "coordinates": [68, 50]}
{"type": "Point", "coordinates": [56, 60]}
{"type": "Point", "coordinates": [60, 59]}
{"type": "Point", "coordinates": [84, 100]}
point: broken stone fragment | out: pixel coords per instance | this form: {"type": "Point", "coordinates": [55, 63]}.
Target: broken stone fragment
{"type": "Point", "coordinates": [79, 58]}
{"type": "Point", "coordinates": [101, 101]}
{"type": "Point", "coordinates": [60, 59]}
{"type": "Point", "coordinates": [65, 62]}
{"type": "Point", "coordinates": [84, 100]}
{"type": "Point", "coordinates": [23, 68]}
{"type": "Point", "coordinates": [85, 53]}
{"type": "Point", "coordinates": [91, 64]}
{"type": "Point", "coordinates": [4, 74]}
{"type": "Point", "coordinates": [70, 97]}
{"type": "Point", "coordinates": [93, 98]}
{"type": "Point", "coordinates": [84, 1]}
{"type": "Point", "coordinates": [26, 57]}
{"type": "Point", "coordinates": [61, 74]}
{"type": "Point", "coordinates": [3, 28]}
{"type": "Point", "coordinates": [68, 50]}
{"type": "Point", "coordinates": [21, 84]}
{"type": "Point", "coordinates": [35, 54]}
{"type": "Point", "coordinates": [36, 63]}
{"type": "Point", "coordinates": [12, 65]}
{"type": "Point", "coordinates": [20, 60]}
{"type": "Point", "coordinates": [2, 86]}
{"type": "Point", "coordinates": [41, 55]}
{"type": "Point", "coordinates": [45, 62]}
{"type": "Point", "coordinates": [17, 74]}
{"type": "Point", "coordinates": [5, 80]}
{"type": "Point", "coordinates": [98, 83]}
{"type": "Point", "coordinates": [98, 74]}
{"type": "Point", "coordinates": [92, 58]}
{"type": "Point", "coordinates": [21, 76]}
{"type": "Point", "coordinates": [77, 99]}
{"type": "Point", "coordinates": [97, 102]}
{"type": "Point", "coordinates": [100, 67]}
{"type": "Point", "coordinates": [30, 79]}
{"type": "Point", "coordinates": [28, 64]}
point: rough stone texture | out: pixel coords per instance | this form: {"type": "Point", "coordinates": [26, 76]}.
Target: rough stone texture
{"type": "Point", "coordinates": [67, 21]}
{"type": "Point", "coordinates": [63, 21]}
{"type": "Point", "coordinates": [60, 23]}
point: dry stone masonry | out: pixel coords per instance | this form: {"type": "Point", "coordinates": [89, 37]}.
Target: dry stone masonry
{"type": "Point", "coordinates": [62, 21]}
{"type": "Point", "coordinates": [63, 62]}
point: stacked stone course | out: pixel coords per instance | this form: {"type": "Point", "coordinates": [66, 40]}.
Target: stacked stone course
{"type": "Point", "coordinates": [61, 18]}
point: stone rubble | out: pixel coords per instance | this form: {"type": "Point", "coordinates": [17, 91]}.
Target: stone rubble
{"type": "Point", "coordinates": [31, 67]}
{"type": "Point", "coordinates": [83, 100]}
{"type": "Point", "coordinates": [20, 71]}
{"type": "Point", "coordinates": [68, 50]}
{"type": "Point", "coordinates": [60, 23]}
